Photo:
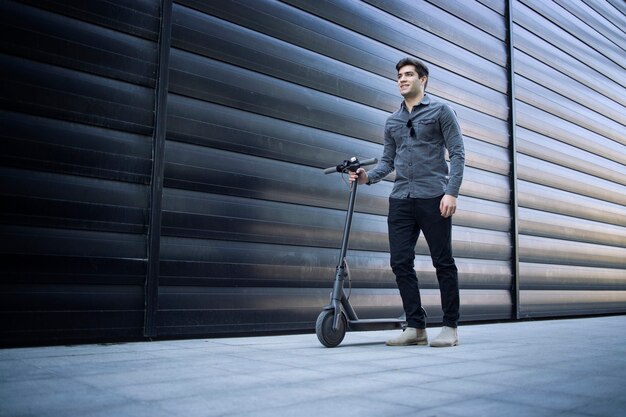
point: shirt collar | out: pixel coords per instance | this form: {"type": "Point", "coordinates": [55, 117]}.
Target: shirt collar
{"type": "Point", "coordinates": [425, 101]}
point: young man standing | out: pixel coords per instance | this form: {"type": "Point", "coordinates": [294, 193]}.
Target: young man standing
{"type": "Point", "coordinates": [423, 199]}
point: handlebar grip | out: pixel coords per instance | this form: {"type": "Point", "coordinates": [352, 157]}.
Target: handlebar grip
{"type": "Point", "coordinates": [370, 161]}
{"type": "Point", "coordinates": [330, 170]}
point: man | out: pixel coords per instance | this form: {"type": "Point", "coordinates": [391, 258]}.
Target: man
{"type": "Point", "coordinates": [423, 199]}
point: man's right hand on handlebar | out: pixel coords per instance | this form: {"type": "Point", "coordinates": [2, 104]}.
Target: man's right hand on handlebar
{"type": "Point", "coordinates": [361, 174]}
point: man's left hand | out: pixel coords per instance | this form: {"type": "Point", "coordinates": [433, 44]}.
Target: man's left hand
{"type": "Point", "coordinates": [447, 207]}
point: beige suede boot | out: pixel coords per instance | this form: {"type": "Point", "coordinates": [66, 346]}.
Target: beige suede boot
{"type": "Point", "coordinates": [410, 336]}
{"type": "Point", "coordinates": [448, 337]}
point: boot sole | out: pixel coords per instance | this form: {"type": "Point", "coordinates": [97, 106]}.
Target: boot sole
{"type": "Point", "coordinates": [446, 345]}
{"type": "Point", "coordinates": [420, 343]}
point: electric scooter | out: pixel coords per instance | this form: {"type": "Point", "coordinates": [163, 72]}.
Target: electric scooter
{"type": "Point", "coordinates": [339, 316]}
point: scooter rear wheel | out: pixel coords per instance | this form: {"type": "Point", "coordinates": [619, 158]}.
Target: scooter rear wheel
{"type": "Point", "coordinates": [324, 328]}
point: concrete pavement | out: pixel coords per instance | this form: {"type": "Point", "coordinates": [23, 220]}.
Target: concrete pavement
{"type": "Point", "coordinates": [570, 367]}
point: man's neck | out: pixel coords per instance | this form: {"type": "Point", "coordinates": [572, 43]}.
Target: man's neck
{"type": "Point", "coordinates": [411, 102]}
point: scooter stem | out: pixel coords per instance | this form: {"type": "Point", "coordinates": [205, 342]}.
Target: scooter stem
{"type": "Point", "coordinates": [348, 224]}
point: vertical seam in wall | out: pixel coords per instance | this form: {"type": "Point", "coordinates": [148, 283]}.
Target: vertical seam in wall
{"type": "Point", "coordinates": [513, 155]}
{"type": "Point", "coordinates": [158, 155]}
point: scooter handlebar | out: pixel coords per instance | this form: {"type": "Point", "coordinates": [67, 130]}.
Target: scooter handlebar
{"type": "Point", "coordinates": [351, 164]}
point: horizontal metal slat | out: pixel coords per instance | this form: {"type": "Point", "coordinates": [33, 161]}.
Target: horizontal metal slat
{"type": "Point", "coordinates": [552, 126]}
{"type": "Point", "coordinates": [543, 74]}
{"type": "Point", "coordinates": [39, 35]}
{"type": "Point", "coordinates": [488, 18]}
{"type": "Point", "coordinates": [187, 261]}
{"type": "Point", "coordinates": [558, 177]}
{"type": "Point", "coordinates": [42, 241]}
{"type": "Point", "coordinates": [574, 35]}
{"type": "Point", "coordinates": [269, 222]}
{"type": "Point", "coordinates": [51, 186]}
{"type": "Point", "coordinates": [449, 27]}
{"type": "Point", "coordinates": [185, 212]}
{"type": "Point", "coordinates": [136, 17]}
{"type": "Point", "coordinates": [532, 93]}
{"type": "Point", "coordinates": [210, 80]}
{"type": "Point", "coordinates": [545, 303]}
{"type": "Point", "coordinates": [218, 39]}
{"type": "Point", "coordinates": [563, 252]}
{"type": "Point", "coordinates": [52, 145]}
{"type": "Point", "coordinates": [405, 37]}
{"type": "Point", "coordinates": [562, 202]}
{"type": "Point", "coordinates": [56, 92]}
{"type": "Point", "coordinates": [612, 11]}
{"type": "Point", "coordinates": [258, 309]}
{"type": "Point", "coordinates": [534, 276]}
{"type": "Point", "coordinates": [79, 270]}
{"type": "Point", "coordinates": [541, 223]}
{"type": "Point", "coordinates": [208, 170]}
{"type": "Point", "coordinates": [551, 150]}
{"type": "Point", "coordinates": [597, 16]}
{"type": "Point", "coordinates": [539, 49]}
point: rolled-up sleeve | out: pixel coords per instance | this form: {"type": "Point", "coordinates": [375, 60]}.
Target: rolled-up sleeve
{"type": "Point", "coordinates": [453, 140]}
{"type": "Point", "coordinates": [386, 164]}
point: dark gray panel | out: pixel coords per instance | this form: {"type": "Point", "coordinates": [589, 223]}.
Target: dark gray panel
{"type": "Point", "coordinates": [47, 37]}
{"type": "Point", "coordinates": [405, 37]}
{"type": "Point", "coordinates": [528, 42]}
{"type": "Point", "coordinates": [52, 200]}
{"type": "Point", "coordinates": [56, 313]}
{"type": "Point", "coordinates": [562, 252]}
{"type": "Point", "coordinates": [571, 303]}
{"type": "Point", "coordinates": [58, 242]}
{"type": "Point", "coordinates": [541, 223]}
{"type": "Point", "coordinates": [565, 109]}
{"type": "Point", "coordinates": [561, 178]}
{"type": "Point", "coordinates": [571, 139]}
{"type": "Point", "coordinates": [597, 16]}
{"type": "Point", "coordinates": [578, 38]}
{"type": "Point", "coordinates": [207, 124]}
{"type": "Point", "coordinates": [611, 12]}
{"type": "Point", "coordinates": [77, 114]}
{"type": "Point", "coordinates": [56, 92]}
{"type": "Point", "coordinates": [497, 6]}
{"type": "Point", "coordinates": [51, 145]}
{"type": "Point", "coordinates": [296, 309]}
{"type": "Point", "coordinates": [136, 17]}
{"type": "Point", "coordinates": [560, 277]}
{"type": "Point", "coordinates": [488, 18]}
{"type": "Point", "coordinates": [545, 148]}
{"type": "Point", "coordinates": [451, 28]}
{"type": "Point", "coordinates": [555, 201]}
{"type": "Point", "coordinates": [187, 261]}
{"type": "Point", "coordinates": [214, 81]}
{"type": "Point", "coordinates": [221, 40]}
{"type": "Point", "coordinates": [543, 74]}
{"type": "Point", "coordinates": [275, 223]}
{"type": "Point", "coordinates": [200, 169]}
{"type": "Point", "coordinates": [567, 132]}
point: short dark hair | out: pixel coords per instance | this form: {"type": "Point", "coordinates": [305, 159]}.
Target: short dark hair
{"type": "Point", "coordinates": [420, 67]}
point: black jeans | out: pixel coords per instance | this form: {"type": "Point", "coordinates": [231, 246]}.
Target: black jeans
{"type": "Point", "coordinates": [407, 217]}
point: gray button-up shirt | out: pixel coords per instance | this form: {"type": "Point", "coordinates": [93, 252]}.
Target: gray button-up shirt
{"type": "Point", "coordinates": [419, 160]}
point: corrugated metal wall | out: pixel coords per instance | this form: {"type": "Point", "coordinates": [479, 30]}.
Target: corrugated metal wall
{"type": "Point", "coordinates": [261, 95]}
{"type": "Point", "coordinates": [76, 112]}
{"type": "Point", "coordinates": [570, 106]}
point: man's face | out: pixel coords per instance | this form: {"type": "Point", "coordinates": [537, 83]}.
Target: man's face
{"type": "Point", "coordinates": [409, 82]}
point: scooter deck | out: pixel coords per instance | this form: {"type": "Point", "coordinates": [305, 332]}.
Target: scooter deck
{"type": "Point", "coordinates": [376, 324]}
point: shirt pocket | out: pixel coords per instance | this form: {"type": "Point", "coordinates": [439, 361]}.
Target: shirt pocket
{"type": "Point", "coordinates": [428, 130]}
{"type": "Point", "coordinates": [399, 134]}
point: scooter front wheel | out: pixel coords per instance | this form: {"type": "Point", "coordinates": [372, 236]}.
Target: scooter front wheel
{"type": "Point", "coordinates": [324, 328]}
